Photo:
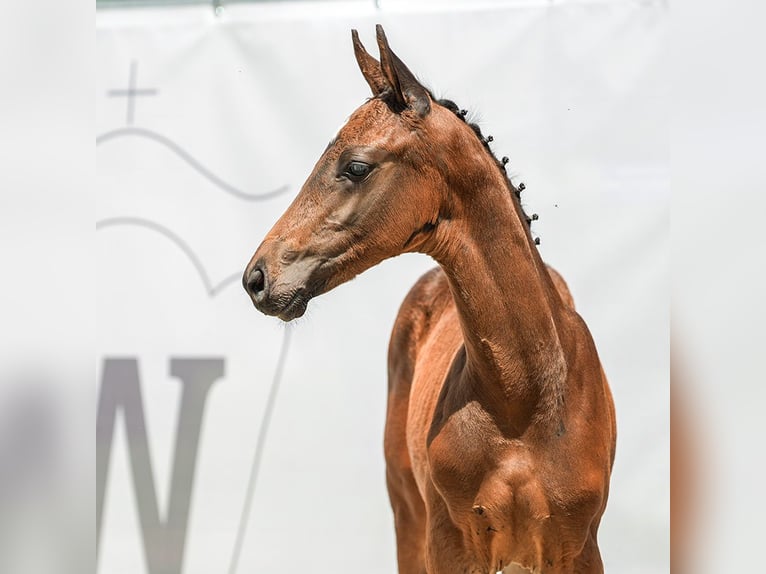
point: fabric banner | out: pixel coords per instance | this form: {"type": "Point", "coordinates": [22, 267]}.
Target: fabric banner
{"type": "Point", "coordinates": [229, 442]}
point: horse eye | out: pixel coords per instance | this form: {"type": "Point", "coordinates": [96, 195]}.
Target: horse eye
{"type": "Point", "coordinates": [357, 170]}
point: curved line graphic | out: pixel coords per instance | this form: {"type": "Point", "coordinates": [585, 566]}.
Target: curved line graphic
{"type": "Point", "coordinates": [259, 447]}
{"type": "Point", "coordinates": [212, 290]}
{"type": "Point", "coordinates": [188, 158]}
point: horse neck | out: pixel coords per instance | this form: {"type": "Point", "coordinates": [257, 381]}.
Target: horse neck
{"type": "Point", "coordinates": [506, 302]}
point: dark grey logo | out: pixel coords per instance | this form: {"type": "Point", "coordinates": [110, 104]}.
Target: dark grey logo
{"type": "Point", "coordinates": [121, 390]}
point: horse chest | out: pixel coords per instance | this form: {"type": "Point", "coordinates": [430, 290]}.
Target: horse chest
{"type": "Point", "coordinates": [490, 489]}
{"type": "Point", "coordinates": [465, 452]}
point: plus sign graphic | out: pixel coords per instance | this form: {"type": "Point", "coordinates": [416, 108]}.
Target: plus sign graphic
{"type": "Point", "coordinates": [131, 92]}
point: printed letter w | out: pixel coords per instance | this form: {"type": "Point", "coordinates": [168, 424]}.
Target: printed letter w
{"type": "Point", "coordinates": [121, 390]}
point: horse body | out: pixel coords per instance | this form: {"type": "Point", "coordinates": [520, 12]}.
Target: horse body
{"type": "Point", "coordinates": [500, 427]}
{"type": "Point", "coordinates": [468, 483]}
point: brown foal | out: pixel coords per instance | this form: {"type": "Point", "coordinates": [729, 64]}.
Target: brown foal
{"type": "Point", "coordinates": [500, 432]}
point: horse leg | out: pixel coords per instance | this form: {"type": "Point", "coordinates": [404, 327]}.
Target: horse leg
{"type": "Point", "coordinates": [445, 549]}
{"type": "Point", "coordinates": [589, 560]}
{"type": "Point", "coordinates": [409, 519]}
{"type": "Point", "coordinates": [406, 502]}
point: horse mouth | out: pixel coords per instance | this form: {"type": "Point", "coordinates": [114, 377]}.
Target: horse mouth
{"type": "Point", "coordinates": [293, 304]}
{"type": "Point", "coordinates": [296, 301]}
{"type": "Point", "coordinates": [295, 307]}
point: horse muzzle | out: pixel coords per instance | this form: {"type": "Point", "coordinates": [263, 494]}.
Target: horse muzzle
{"type": "Point", "coordinates": [285, 295]}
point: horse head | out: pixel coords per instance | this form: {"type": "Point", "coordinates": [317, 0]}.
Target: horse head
{"type": "Point", "coordinates": [378, 190]}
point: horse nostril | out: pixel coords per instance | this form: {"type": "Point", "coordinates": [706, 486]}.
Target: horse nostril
{"type": "Point", "coordinates": [256, 282]}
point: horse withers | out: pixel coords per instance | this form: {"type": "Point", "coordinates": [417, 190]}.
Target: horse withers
{"type": "Point", "coordinates": [500, 429]}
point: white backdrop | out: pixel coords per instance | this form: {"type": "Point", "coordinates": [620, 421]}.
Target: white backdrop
{"type": "Point", "coordinates": [226, 120]}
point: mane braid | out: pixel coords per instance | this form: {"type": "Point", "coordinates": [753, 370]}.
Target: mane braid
{"type": "Point", "coordinates": [515, 191]}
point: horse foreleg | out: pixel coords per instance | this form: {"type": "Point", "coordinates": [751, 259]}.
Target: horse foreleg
{"type": "Point", "coordinates": [589, 560]}
{"type": "Point", "coordinates": [409, 519]}
{"type": "Point", "coordinates": [446, 552]}
{"type": "Point", "coordinates": [406, 502]}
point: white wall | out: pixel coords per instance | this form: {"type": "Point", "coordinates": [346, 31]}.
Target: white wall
{"type": "Point", "coordinates": [573, 92]}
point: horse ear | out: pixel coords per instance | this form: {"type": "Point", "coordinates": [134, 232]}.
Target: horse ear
{"type": "Point", "coordinates": [406, 91]}
{"type": "Point", "coordinates": [369, 66]}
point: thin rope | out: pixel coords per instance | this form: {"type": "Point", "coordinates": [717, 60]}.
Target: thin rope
{"type": "Point", "coordinates": [255, 468]}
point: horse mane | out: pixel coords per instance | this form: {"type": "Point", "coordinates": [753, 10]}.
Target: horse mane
{"type": "Point", "coordinates": [515, 191]}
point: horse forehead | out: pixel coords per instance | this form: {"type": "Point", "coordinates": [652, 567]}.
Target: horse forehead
{"type": "Point", "coordinates": [371, 121]}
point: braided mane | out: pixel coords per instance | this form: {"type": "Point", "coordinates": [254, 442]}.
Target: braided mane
{"type": "Point", "coordinates": [516, 191]}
